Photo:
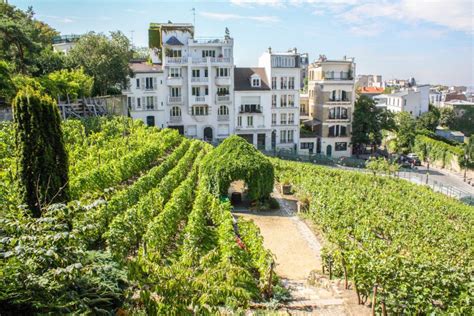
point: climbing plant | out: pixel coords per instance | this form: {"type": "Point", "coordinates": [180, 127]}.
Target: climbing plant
{"type": "Point", "coordinates": [236, 159]}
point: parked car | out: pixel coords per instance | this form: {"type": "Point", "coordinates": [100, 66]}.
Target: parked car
{"type": "Point", "coordinates": [413, 158]}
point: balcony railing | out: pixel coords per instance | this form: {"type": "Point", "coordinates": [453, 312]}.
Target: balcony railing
{"type": "Point", "coordinates": [342, 102]}
{"type": "Point", "coordinates": [175, 99]}
{"type": "Point", "coordinates": [223, 98]}
{"type": "Point", "coordinates": [220, 59]}
{"type": "Point", "coordinates": [199, 98]}
{"type": "Point", "coordinates": [223, 118]}
{"type": "Point", "coordinates": [176, 119]}
{"type": "Point", "coordinates": [176, 60]}
{"type": "Point", "coordinates": [199, 79]}
{"type": "Point", "coordinates": [199, 60]}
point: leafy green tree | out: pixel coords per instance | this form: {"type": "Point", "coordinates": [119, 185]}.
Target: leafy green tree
{"type": "Point", "coordinates": [7, 88]}
{"type": "Point", "coordinates": [467, 160]}
{"type": "Point", "coordinates": [406, 132]}
{"type": "Point", "coordinates": [72, 83]}
{"type": "Point", "coordinates": [22, 38]}
{"type": "Point", "coordinates": [446, 117]}
{"type": "Point", "coordinates": [369, 121]}
{"type": "Point", "coordinates": [104, 58]}
{"type": "Point", "coordinates": [42, 158]}
{"type": "Point", "coordinates": [428, 121]}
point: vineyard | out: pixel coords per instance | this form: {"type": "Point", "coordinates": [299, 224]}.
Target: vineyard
{"type": "Point", "coordinates": [409, 246]}
{"type": "Point", "coordinates": [149, 230]}
{"type": "Point", "coordinates": [144, 231]}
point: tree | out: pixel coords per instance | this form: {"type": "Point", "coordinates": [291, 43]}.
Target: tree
{"type": "Point", "coordinates": [7, 88]}
{"type": "Point", "coordinates": [467, 160]}
{"type": "Point", "coordinates": [68, 83]}
{"type": "Point", "coordinates": [446, 117]}
{"type": "Point", "coordinates": [22, 38]}
{"type": "Point", "coordinates": [368, 123]}
{"type": "Point", "coordinates": [406, 132]}
{"type": "Point", "coordinates": [104, 58]}
{"type": "Point", "coordinates": [42, 158]}
{"type": "Point", "coordinates": [428, 121]}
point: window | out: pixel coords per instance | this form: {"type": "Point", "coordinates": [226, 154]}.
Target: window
{"type": "Point", "coordinates": [274, 82]}
{"type": "Point", "coordinates": [283, 118]}
{"type": "Point", "coordinates": [307, 146]}
{"type": "Point", "coordinates": [223, 72]}
{"type": "Point", "coordinates": [149, 83]}
{"type": "Point", "coordinates": [206, 73]}
{"type": "Point", "coordinates": [223, 110]}
{"type": "Point", "coordinates": [208, 53]}
{"type": "Point", "coordinates": [291, 100]}
{"type": "Point", "coordinates": [196, 91]}
{"type": "Point", "coordinates": [338, 113]}
{"type": "Point", "coordinates": [341, 146]}
{"type": "Point", "coordinates": [223, 91]}
{"type": "Point", "coordinates": [250, 108]}
{"type": "Point", "coordinates": [274, 118]}
{"type": "Point", "coordinates": [175, 72]}
{"type": "Point", "coordinates": [291, 118]}
{"type": "Point", "coordinates": [196, 73]}
{"type": "Point", "coordinates": [138, 83]}
{"type": "Point", "coordinates": [283, 101]}
{"type": "Point", "coordinates": [175, 111]}
{"type": "Point", "coordinates": [291, 83]}
{"type": "Point", "coordinates": [129, 102]}
{"type": "Point", "coordinates": [255, 82]}
{"type": "Point", "coordinates": [283, 83]}
{"type": "Point", "coordinates": [274, 101]}
{"type": "Point", "coordinates": [337, 130]}
{"type": "Point", "coordinates": [150, 121]}
{"type": "Point", "coordinates": [282, 136]}
{"type": "Point", "coordinates": [291, 136]}
{"type": "Point", "coordinates": [174, 53]}
{"type": "Point", "coordinates": [199, 110]}
{"type": "Point", "coordinates": [239, 121]}
{"type": "Point", "coordinates": [150, 103]}
{"type": "Point", "coordinates": [175, 91]}
{"type": "Point", "coordinates": [250, 121]}
{"type": "Point", "coordinates": [139, 105]}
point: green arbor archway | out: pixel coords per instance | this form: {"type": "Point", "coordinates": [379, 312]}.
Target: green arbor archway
{"type": "Point", "coordinates": [236, 159]}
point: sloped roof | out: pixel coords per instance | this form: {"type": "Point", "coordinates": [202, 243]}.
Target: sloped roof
{"type": "Point", "coordinates": [174, 41]}
{"type": "Point", "coordinates": [144, 67]}
{"type": "Point", "coordinates": [242, 79]}
{"type": "Point", "coordinates": [455, 96]}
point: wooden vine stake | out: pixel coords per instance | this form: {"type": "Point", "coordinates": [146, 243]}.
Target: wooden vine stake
{"type": "Point", "coordinates": [270, 278]}
{"type": "Point", "coordinates": [374, 299]}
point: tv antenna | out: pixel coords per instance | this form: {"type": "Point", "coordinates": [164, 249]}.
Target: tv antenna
{"type": "Point", "coordinates": [131, 37]}
{"type": "Point", "coordinates": [194, 16]}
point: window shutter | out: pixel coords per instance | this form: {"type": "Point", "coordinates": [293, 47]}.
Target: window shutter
{"type": "Point", "coordinates": [155, 84]}
{"type": "Point", "coordinates": [155, 102]}
{"type": "Point", "coordinates": [133, 103]}
{"type": "Point", "coordinates": [142, 83]}
{"type": "Point", "coordinates": [143, 102]}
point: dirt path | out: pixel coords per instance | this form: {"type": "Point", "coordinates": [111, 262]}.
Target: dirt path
{"type": "Point", "coordinates": [297, 252]}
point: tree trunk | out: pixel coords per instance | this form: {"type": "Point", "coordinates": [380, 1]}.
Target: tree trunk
{"type": "Point", "coordinates": [374, 299]}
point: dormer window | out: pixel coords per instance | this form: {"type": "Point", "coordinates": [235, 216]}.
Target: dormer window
{"type": "Point", "coordinates": [255, 81]}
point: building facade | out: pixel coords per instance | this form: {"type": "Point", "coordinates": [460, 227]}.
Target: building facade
{"type": "Point", "coordinates": [414, 100]}
{"type": "Point", "coordinates": [284, 73]}
{"type": "Point", "coordinates": [331, 96]}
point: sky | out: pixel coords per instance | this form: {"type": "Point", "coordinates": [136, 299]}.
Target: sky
{"type": "Point", "coordinates": [430, 40]}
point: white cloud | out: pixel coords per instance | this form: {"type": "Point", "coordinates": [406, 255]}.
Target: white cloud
{"type": "Point", "coordinates": [230, 16]}
{"type": "Point", "coordinates": [251, 3]}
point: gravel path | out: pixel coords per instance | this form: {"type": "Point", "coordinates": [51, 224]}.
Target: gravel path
{"type": "Point", "coordinates": [297, 252]}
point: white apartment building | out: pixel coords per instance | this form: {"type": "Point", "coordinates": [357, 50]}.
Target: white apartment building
{"type": "Point", "coordinates": [145, 95]}
{"type": "Point", "coordinates": [198, 81]}
{"type": "Point", "coordinates": [331, 96]}
{"type": "Point", "coordinates": [64, 43]}
{"type": "Point", "coordinates": [414, 100]}
{"type": "Point", "coordinates": [284, 73]}
{"type": "Point", "coordinates": [374, 81]}
{"type": "Point", "coordinates": [253, 107]}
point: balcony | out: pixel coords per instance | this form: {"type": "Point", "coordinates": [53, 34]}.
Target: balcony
{"type": "Point", "coordinates": [199, 99]}
{"type": "Point", "coordinates": [176, 60]}
{"type": "Point", "coordinates": [221, 60]}
{"type": "Point", "coordinates": [223, 81]}
{"type": "Point", "coordinates": [174, 81]}
{"type": "Point", "coordinates": [199, 79]}
{"type": "Point", "coordinates": [250, 108]}
{"type": "Point", "coordinates": [199, 60]}
{"type": "Point", "coordinates": [175, 100]}
{"type": "Point", "coordinates": [338, 102]}
{"type": "Point", "coordinates": [176, 119]}
{"type": "Point", "coordinates": [223, 118]}
{"type": "Point", "coordinates": [223, 98]}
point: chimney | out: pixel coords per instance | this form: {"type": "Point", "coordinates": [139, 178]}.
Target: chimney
{"type": "Point", "coordinates": [295, 50]}
{"type": "Point", "coordinates": [269, 49]}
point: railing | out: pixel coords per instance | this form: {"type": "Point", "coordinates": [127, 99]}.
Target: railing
{"type": "Point", "coordinates": [200, 98]}
{"type": "Point", "coordinates": [223, 98]}
{"type": "Point", "coordinates": [330, 102]}
{"type": "Point", "coordinates": [199, 79]}
{"type": "Point", "coordinates": [175, 99]}
{"type": "Point", "coordinates": [220, 60]}
{"type": "Point", "coordinates": [176, 119]}
{"type": "Point", "coordinates": [197, 60]}
{"type": "Point", "coordinates": [223, 118]}
{"type": "Point", "coordinates": [150, 107]}
{"type": "Point", "coordinates": [176, 60]}
{"type": "Point", "coordinates": [210, 40]}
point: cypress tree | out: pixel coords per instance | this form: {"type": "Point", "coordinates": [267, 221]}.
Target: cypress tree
{"type": "Point", "coordinates": [42, 158]}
